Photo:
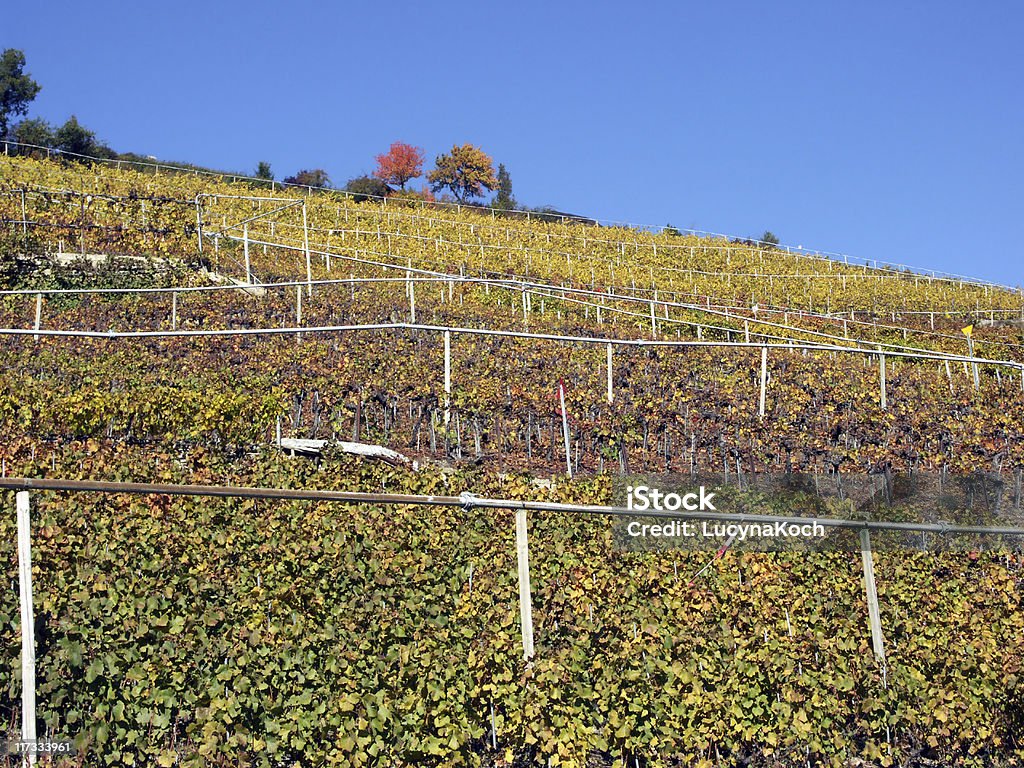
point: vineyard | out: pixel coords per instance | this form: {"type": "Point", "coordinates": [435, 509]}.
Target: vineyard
{"type": "Point", "coordinates": [177, 328]}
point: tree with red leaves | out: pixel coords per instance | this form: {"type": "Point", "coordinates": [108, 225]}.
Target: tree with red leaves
{"type": "Point", "coordinates": [399, 164]}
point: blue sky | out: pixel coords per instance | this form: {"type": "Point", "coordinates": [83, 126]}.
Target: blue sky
{"type": "Point", "coordinates": [878, 129]}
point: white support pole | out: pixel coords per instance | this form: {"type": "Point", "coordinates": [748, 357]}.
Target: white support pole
{"type": "Point", "coordinates": [24, 215]}
{"type": "Point", "coordinates": [447, 376]}
{"type": "Point", "coordinates": [28, 641]}
{"type": "Point", "coordinates": [298, 311]}
{"type": "Point", "coordinates": [881, 381]}
{"type": "Point", "coordinates": [39, 314]}
{"type": "Point", "coordinates": [654, 323]}
{"type": "Point", "coordinates": [565, 429]}
{"type": "Point", "coordinates": [525, 602]}
{"type": "Point", "coordinates": [764, 380]}
{"type": "Point", "coordinates": [611, 394]}
{"type": "Point", "coordinates": [874, 615]}
{"type": "Point", "coordinates": [245, 245]}
{"type": "Point", "coordinates": [412, 302]}
{"type": "Point", "coordinates": [974, 366]}
{"type": "Point", "coordinates": [305, 247]}
{"type": "Point", "coordinates": [199, 224]}
{"type": "Point", "coordinates": [174, 310]}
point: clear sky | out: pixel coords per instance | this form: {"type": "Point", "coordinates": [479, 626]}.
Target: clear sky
{"type": "Point", "coordinates": [888, 130]}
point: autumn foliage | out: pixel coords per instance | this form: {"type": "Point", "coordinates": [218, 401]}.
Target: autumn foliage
{"type": "Point", "coordinates": [467, 171]}
{"type": "Point", "coordinates": [399, 164]}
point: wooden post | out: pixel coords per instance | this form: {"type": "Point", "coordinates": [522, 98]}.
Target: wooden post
{"type": "Point", "coordinates": [525, 602]}
{"type": "Point", "coordinates": [764, 379]}
{"type": "Point", "coordinates": [305, 247]}
{"type": "Point", "coordinates": [881, 381]}
{"type": "Point", "coordinates": [447, 376]}
{"type": "Point", "coordinates": [565, 429]}
{"type": "Point", "coordinates": [39, 314]}
{"type": "Point", "coordinates": [874, 615]}
{"type": "Point", "coordinates": [245, 246]}
{"type": "Point", "coordinates": [611, 395]}
{"type": "Point", "coordinates": [28, 641]}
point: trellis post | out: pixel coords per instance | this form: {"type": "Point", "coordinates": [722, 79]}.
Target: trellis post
{"type": "Point", "coordinates": [881, 381]}
{"type": "Point", "coordinates": [447, 376]}
{"type": "Point", "coordinates": [28, 641]}
{"type": "Point", "coordinates": [245, 246]}
{"type": "Point", "coordinates": [764, 380]}
{"type": "Point", "coordinates": [565, 428]}
{"type": "Point", "coordinates": [525, 601]}
{"type": "Point", "coordinates": [305, 247]}
{"type": "Point", "coordinates": [611, 394]}
{"type": "Point", "coordinates": [39, 315]}
{"type": "Point", "coordinates": [199, 224]}
{"type": "Point", "coordinates": [874, 615]}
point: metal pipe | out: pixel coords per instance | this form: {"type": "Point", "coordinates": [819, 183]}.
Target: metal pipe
{"type": "Point", "coordinates": [468, 501]}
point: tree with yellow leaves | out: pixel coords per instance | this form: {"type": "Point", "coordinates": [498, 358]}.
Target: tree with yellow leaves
{"type": "Point", "coordinates": [467, 171]}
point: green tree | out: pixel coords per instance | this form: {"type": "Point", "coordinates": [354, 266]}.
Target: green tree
{"type": "Point", "coordinates": [504, 200]}
{"type": "Point", "coordinates": [263, 171]}
{"type": "Point", "coordinates": [316, 177]}
{"type": "Point", "coordinates": [366, 187]}
{"type": "Point", "coordinates": [74, 138]}
{"type": "Point", "coordinates": [769, 238]}
{"type": "Point", "coordinates": [467, 171]}
{"type": "Point", "coordinates": [16, 88]}
{"type": "Point", "coordinates": [35, 131]}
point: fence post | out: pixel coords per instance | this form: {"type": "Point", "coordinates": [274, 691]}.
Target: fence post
{"type": "Point", "coordinates": [174, 310]}
{"type": "Point", "coordinates": [611, 394]}
{"type": "Point", "coordinates": [874, 616]}
{"type": "Point", "coordinates": [447, 376]}
{"type": "Point", "coordinates": [525, 602]}
{"type": "Point", "coordinates": [298, 312]}
{"type": "Point", "coordinates": [764, 379]}
{"type": "Point", "coordinates": [28, 640]}
{"type": "Point", "coordinates": [24, 215]}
